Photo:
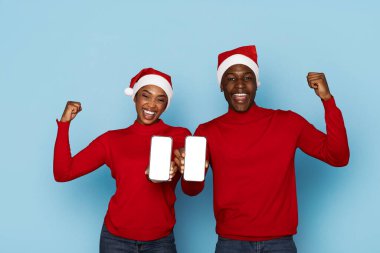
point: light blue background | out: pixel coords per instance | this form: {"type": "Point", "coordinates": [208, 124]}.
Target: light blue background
{"type": "Point", "coordinates": [87, 51]}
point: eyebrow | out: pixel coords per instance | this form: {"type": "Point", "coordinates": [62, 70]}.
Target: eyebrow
{"type": "Point", "coordinates": [160, 95]}
{"type": "Point", "coordinates": [147, 91]}
{"type": "Point", "coordinates": [238, 72]}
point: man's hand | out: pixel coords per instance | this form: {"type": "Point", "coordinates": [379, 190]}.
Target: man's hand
{"type": "Point", "coordinates": [71, 110]}
{"type": "Point", "coordinates": [173, 170]}
{"type": "Point", "coordinates": [179, 159]}
{"type": "Point", "coordinates": [317, 81]}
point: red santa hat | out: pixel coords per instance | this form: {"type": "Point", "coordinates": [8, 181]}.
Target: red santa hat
{"type": "Point", "coordinates": [150, 76]}
{"type": "Point", "coordinates": [246, 55]}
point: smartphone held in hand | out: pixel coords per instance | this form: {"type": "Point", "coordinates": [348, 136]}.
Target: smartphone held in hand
{"type": "Point", "coordinates": [195, 158]}
{"type": "Point", "coordinates": [160, 158]}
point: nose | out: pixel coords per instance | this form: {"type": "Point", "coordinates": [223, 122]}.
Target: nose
{"type": "Point", "coordinates": [240, 83]}
{"type": "Point", "coordinates": [151, 104]}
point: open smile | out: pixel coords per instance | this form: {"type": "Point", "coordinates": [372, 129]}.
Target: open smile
{"type": "Point", "coordinates": [240, 97]}
{"type": "Point", "coordinates": [149, 115]}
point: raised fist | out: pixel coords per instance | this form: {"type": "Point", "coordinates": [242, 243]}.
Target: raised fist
{"type": "Point", "coordinates": [317, 81]}
{"type": "Point", "coordinates": [71, 110]}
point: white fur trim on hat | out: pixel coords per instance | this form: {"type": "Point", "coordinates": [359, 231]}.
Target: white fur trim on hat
{"type": "Point", "coordinates": [152, 79]}
{"type": "Point", "coordinates": [237, 59]}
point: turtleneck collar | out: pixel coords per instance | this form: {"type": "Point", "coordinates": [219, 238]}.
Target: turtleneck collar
{"type": "Point", "coordinates": [254, 113]}
{"type": "Point", "coordinates": [148, 129]}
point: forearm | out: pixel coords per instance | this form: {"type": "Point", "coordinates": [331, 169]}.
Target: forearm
{"type": "Point", "coordinates": [62, 154]}
{"type": "Point", "coordinates": [331, 147]}
{"type": "Point", "coordinates": [337, 150]}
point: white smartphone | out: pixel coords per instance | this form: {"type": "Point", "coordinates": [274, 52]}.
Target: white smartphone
{"type": "Point", "coordinates": [160, 158]}
{"type": "Point", "coordinates": [195, 159]}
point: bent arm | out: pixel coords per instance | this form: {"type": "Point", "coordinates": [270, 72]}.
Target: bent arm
{"type": "Point", "coordinates": [66, 167]}
{"type": "Point", "coordinates": [332, 147]}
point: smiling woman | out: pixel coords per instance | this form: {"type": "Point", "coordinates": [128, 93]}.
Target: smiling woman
{"type": "Point", "coordinates": [151, 101]}
{"type": "Point", "coordinates": [129, 223]}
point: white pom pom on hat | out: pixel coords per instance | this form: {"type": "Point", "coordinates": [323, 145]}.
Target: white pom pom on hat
{"type": "Point", "coordinates": [128, 91]}
{"type": "Point", "coordinates": [245, 55]}
{"type": "Point", "coordinates": [150, 76]}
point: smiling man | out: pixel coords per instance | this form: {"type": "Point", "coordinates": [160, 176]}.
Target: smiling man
{"type": "Point", "coordinates": [251, 151]}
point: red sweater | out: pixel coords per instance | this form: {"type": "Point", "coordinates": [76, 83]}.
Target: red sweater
{"type": "Point", "coordinates": [252, 157]}
{"type": "Point", "coordinates": [140, 209]}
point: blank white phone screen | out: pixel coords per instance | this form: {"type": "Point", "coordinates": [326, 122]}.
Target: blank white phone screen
{"type": "Point", "coordinates": [195, 150]}
{"type": "Point", "coordinates": [160, 158]}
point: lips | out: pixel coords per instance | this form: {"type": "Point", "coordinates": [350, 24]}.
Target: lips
{"type": "Point", "coordinates": [240, 97]}
{"type": "Point", "coordinates": [148, 115]}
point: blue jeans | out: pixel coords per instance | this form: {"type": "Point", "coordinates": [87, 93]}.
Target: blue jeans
{"type": "Point", "coordinates": [110, 243]}
{"type": "Point", "coordinates": [279, 245]}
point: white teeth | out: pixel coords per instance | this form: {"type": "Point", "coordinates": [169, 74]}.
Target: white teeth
{"type": "Point", "coordinates": [149, 112]}
{"type": "Point", "coordinates": [240, 94]}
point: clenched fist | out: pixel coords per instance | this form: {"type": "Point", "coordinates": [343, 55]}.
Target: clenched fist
{"type": "Point", "coordinates": [317, 81]}
{"type": "Point", "coordinates": [71, 110]}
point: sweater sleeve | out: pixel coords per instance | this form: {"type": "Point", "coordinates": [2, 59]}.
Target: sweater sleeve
{"type": "Point", "coordinates": [66, 167]}
{"type": "Point", "coordinates": [332, 147]}
{"type": "Point", "coordinates": [194, 188]}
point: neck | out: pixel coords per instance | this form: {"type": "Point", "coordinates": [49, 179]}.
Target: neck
{"type": "Point", "coordinates": [252, 114]}
{"type": "Point", "coordinates": [142, 122]}
{"type": "Point", "coordinates": [141, 128]}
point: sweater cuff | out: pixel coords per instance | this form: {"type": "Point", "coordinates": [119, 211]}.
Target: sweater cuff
{"type": "Point", "coordinates": [63, 125]}
{"type": "Point", "coordinates": [329, 103]}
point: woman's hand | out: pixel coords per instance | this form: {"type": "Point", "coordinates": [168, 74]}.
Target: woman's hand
{"type": "Point", "coordinates": [172, 172]}
{"type": "Point", "coordinates": [71, 110]}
